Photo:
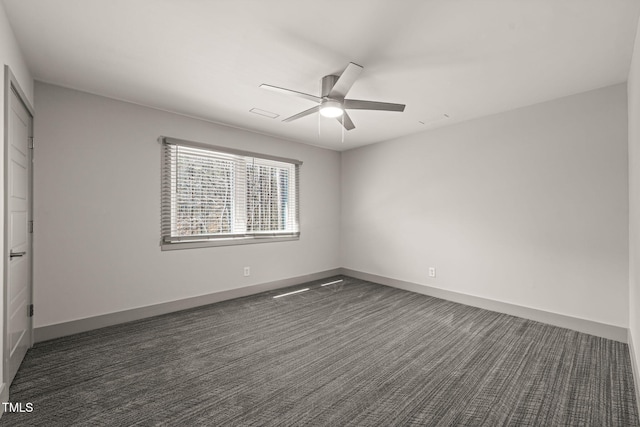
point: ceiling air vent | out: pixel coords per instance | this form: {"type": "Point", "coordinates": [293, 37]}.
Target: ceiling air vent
{"type": "Point", "coordinates": [264, 113]}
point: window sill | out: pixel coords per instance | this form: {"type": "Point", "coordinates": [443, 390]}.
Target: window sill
{"type": "Point", "coordinates": [225, 242]}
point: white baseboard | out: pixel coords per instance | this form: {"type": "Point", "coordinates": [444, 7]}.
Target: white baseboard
{"type": "Point", "coordinates": [634, 367]}
{"type": "Point", "coordinates": [612, 332]}
{"type": "Point", "coordinates": [44, 333]}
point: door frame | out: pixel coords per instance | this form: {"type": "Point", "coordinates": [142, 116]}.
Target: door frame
{"type": "Point", "coordinates": [11, 85]}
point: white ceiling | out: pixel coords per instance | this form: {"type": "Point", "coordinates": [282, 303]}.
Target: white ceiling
{"type": "Point", "coordinates": [206, 59]}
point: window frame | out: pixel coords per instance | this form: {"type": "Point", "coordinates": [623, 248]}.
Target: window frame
{"type": "Point", "coordinates": [167, 208]}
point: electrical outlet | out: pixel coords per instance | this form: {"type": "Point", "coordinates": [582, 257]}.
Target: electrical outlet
{"type": "Point", "coordinates": [247, 271]}
{"type": "Point", "coordinates": [432, 272]}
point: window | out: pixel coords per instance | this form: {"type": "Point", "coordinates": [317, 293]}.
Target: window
{"type": "Point", "coordinates": [218, 196]}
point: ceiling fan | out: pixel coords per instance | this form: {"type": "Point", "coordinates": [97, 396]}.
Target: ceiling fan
{"type": "Point", "coordinates": [332, 101]}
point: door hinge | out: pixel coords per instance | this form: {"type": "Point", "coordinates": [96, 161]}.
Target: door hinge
{"type": "Point", "coordinates": [31, 143]}
{"type": "Point", "coordinates": [31, 226]}
{"type": "Point", "coordinates": [30, 309]}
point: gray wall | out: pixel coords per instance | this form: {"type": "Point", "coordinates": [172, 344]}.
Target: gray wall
{"type": "Point", "coordinates": [528, 207]}
{"type": "Point", "coordinates": [97, 210]}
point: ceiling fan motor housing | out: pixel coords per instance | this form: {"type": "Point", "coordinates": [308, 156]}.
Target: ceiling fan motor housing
{"type": "Point", "coordinates": [330, 107]}
{"type": "Point", "coordinates": [328, 82]}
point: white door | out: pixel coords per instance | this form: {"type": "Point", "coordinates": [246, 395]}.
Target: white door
{"type": "Point", "coordinates": [18, 216]}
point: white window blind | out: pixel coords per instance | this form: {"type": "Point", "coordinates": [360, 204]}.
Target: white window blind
{"type": "Point", "coordinates": [219, 195]}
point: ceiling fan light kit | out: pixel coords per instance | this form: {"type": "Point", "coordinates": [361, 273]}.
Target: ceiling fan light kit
{"type": "Point", "coordinates": [332, 102]}
{"type": "Point", "coordinates": [330, 108]}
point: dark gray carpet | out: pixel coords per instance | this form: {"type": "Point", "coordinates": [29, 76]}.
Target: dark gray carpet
{"type": "Point", "coordinates": [355, 353]}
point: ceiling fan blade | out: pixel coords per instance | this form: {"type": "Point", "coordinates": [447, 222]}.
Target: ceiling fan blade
{"type": "Point", "coordinates": [356, 104]}
{"type": "Point", "coordinates": [347, 123]}
{"type": "Point", "coordinates": [292, 92]}
{"type": "Point", "coordinates": [345, 81]}
{"type": "Point", "coordinates": [304, 113]}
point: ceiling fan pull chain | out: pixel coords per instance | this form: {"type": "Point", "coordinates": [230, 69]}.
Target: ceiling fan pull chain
{"type": "Point", "coordinates": [319, 116]}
